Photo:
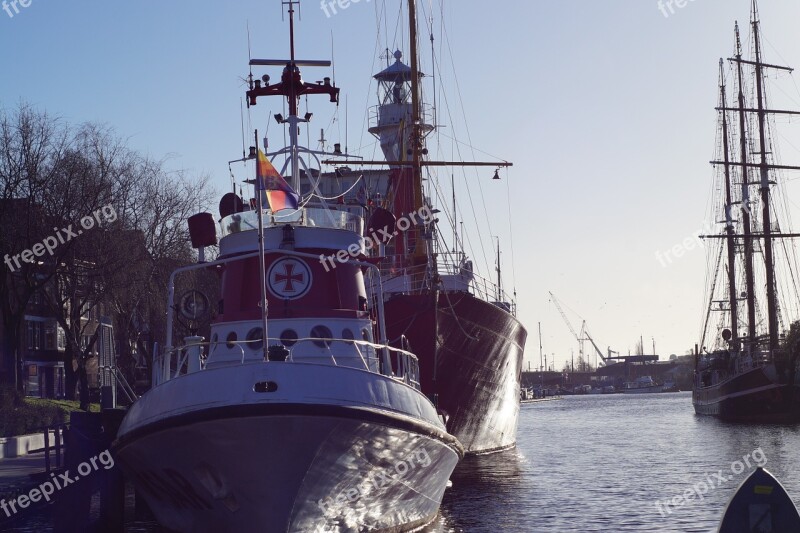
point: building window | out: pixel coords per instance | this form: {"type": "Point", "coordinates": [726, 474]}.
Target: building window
{"type": "Point", "coordinates": [35, 335]}
{"type": "Point", "coordinates": [62, 339]}
{"type": "Point", "coordinates": [50, 336]}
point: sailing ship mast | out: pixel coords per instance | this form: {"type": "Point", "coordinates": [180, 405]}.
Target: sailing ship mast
{"type": "Point", "coordinates": [729, 229]}
{"type": "Point", "coordinates": [764, 183]}
{"type": "Point", "coordinates": [746, 223]}
{"type": "Point", "coordinates": [749, 380]}
{"type": "Point", "coordinates": [772, 312]}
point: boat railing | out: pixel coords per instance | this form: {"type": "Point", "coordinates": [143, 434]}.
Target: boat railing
{"type": "Point", "coordinates": [307, 216]}
{"type": "Point", "coordinates": [454, 273]}
{"type": "Point", "coordinates": [395, 115]}
{"type": "Point", "coordinates": [199, 355]}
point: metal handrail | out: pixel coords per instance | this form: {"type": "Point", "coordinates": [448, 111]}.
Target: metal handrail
{"type": "Point", "coordinates": [405, 367]}
{"type": "Point", "coordinates": [479, 286]}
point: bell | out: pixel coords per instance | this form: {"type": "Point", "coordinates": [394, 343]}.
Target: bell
{"type": "Point", "coordinates": [496, 175]}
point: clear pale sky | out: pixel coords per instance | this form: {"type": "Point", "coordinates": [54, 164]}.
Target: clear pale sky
{"type": "Point", "coordinates": [605, 108]}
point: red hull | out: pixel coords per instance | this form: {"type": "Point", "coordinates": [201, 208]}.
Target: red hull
{"type": "Point", "coordinates": [476, 373]}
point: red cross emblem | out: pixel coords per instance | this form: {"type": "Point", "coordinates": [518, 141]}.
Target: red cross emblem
{"type": "Point", "coordinates": [289, 278]}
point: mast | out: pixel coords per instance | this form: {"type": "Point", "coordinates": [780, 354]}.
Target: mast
{"type": "Point", "coordinates": [292, 87]}
{"type": "Point", "coordinates": [764, 166]}
{"type": "Point", "coordinates": [746, 229]}
{"type": "Point", "coordinates": [541, 369]}
{"type": "Point", "coordinates": [260, 193]}
{"type": "Point", "coordinates": [294, 99]}
{"type": "Point", "coordinates": [731, 244]}
{"type": "Point", "coordinates": [772, 311]}
{"type": "Point", "coordinates": [416, 131]}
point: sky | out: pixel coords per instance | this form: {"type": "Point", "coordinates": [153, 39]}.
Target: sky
{"type": "Point", "coordinates": [606, 110]}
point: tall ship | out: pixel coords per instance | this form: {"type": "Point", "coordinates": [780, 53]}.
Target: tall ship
{"type": "Point", "coordinates": [749, 372]}
{"type": "Point", "coordinates": [296, 415]}
{"type": "Point", "coordinates": [463, 327]}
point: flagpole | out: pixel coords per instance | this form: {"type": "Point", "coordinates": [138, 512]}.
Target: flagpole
{"type": "Point", "coordinates": [260, 192]}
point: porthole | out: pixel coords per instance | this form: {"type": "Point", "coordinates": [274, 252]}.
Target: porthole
{"type": "Point", "coordinates": [255, 339]}
{"type": "Point", "coordinates": [347, 334]}
{"type": "Point", "coordinates": [230, 342]}
{"type": "Point", "coordinates": [322, 335]}
{"type": "Point", "coordinates": [289, 337]}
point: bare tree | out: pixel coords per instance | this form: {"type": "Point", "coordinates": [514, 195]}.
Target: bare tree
{"type": "Point", "coordinates": [125, 215]}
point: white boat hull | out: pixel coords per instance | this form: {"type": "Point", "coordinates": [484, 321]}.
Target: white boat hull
{"type": "Point", "coordinates": [283, 464]}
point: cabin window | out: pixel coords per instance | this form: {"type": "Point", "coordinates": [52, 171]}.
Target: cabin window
{"type": "Point", "coordinates": [347, 334]}
{"type": "Point", "coordinates": [289, 337]}
{"type": "Point", "coordinates": [231, 340]}
{"type": "Point", "coordinates": [255, 339]}
{"type": "Point", "coordinates": [322, 335]}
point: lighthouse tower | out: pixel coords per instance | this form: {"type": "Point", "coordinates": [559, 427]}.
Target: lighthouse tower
{"type": "Point", "coordinates": [391, 120]}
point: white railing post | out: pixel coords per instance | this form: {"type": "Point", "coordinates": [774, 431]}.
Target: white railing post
{"type": "Point", "coordinates": [194, 351]}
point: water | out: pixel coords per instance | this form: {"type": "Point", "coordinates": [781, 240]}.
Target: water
{"type": "Point", "coordinates": [601, 463]}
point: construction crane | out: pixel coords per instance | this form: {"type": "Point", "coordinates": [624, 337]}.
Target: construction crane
{"type": "Point", "coordinates": [571, 329]}
{"type": "Point", "coordinates": [586, 333]}
{"type": "Point", "coordinates": [583, 336]}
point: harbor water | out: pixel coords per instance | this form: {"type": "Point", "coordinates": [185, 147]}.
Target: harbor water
{"type": "Point", "coordinates": [606, 463]}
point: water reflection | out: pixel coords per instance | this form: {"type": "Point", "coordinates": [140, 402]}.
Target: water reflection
{"type": "Point", "coordinates": [485, 490]}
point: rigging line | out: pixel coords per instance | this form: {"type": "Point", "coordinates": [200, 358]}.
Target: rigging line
{"type": "Point", "coordinates": [711, 300]}
{"type": "Point", "coordinates": [241, 115]}
{"type": "Point", "coordinates": [471, 147]}
{"type": "Point", "coordinates": [511, 233]}
{"type": "Point", "coordinates": [360, 178]}
{"type": "Point", "coordinates": [375, 54]}
{"type": "Point", "coordinates": [385, 23]}
{"type": "Point", "coordinates": [469, 193]}
{"type": "Point", "coordinates": [467, 244]}
{"type": "Point", "coordinates": [791, 283]}
{"type": "Point", "coordinates": [442, 202]}
{"type": "Point", "coordinates": [331, 122]}
{"type": "Point", "coordinates": [467, 128]}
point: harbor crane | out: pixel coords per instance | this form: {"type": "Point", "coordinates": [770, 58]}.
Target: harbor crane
{"type": "Point", "coordinates": [596, 349]}
{"type": "Point", "coordinates": [584, 334]}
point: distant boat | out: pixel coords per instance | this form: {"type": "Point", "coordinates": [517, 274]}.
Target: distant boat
{"type": "Point", "coordinates": [670, 386]}
{"type": "Point", "coordinates": [760, 505]}
{"type": "Point", "coordinates": [642, 385]}
{"type": "Point", "coordinates": [749, 374]}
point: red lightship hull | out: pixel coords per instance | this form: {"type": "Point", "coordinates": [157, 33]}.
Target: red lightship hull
{"type": "Point", "coordinates": [475, 373]}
